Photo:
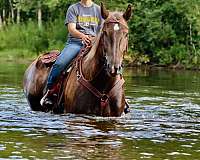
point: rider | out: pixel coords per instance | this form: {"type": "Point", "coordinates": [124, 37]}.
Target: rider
{"type": "Point", "coordinates": [83, 20]}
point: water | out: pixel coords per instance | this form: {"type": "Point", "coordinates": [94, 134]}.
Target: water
{"type": "Point", "coordinates": [164, 122]}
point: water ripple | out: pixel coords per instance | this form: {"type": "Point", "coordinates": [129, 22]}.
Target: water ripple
{"type": "Point", "coordinates": [159, 119]}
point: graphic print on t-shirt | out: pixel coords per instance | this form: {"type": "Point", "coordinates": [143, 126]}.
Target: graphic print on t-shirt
{"type": "Point", "coordinates": [87, 20]}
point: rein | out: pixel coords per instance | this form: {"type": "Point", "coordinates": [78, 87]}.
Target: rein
{"type": "Point", "coordinates": [104, 98]}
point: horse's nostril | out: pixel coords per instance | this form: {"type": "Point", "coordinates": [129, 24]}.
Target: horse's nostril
{"type": "Point", "coordinates": [114, 69]}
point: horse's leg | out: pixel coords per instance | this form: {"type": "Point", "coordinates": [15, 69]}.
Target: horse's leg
{"type": "Point", "coordinates": [117, 104]}
{"type": "Point", "coordinates": [34, 102]}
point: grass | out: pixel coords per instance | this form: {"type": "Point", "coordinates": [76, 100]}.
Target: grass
{"type": "Point", "coordinates": [16, 55]}
{"type": "Point", "coordinates": [27, 40]}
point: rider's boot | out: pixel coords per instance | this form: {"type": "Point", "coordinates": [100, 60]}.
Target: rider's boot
{"type": "Point", "coordinates": [47, 100]}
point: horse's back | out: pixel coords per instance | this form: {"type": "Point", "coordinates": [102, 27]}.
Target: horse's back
{"type": "Point", "coordinates": [34, 82]}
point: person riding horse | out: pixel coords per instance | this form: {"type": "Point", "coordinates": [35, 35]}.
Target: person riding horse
{"type": "Point", "coordinates": [95, 84]}
{"type": "Point", "coordinates": [83, 20]}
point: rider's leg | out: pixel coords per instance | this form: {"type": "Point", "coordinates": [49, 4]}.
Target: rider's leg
{"type": "Point", "coordinates": [64, 59]}
{"type": "Point", "coordinates": [70, 51]}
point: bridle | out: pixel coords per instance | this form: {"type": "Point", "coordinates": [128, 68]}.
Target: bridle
{"type": "Point", "coordinates": [117, 21]}
{"type": "Point", "coordinates": [123, 27]}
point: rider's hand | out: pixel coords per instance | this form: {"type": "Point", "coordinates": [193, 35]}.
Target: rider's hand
{"type": "Point", "coordinates": [86, 39]}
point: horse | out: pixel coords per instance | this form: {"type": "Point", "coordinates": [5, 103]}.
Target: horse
{"type": "Point", "coordinates": [95, 85]}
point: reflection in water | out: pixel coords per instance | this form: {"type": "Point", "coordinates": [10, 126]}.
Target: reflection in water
{"type": "Point", "coordinates": [163, 124]}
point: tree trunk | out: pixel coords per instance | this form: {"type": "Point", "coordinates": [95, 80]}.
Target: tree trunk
{"type": "Point", "coordinates": [12, 15]}
{"type": "Point", "coordinates": [4, 17]}
{"type": "Point", "coordinates": [11, 11]}
{"type": "Point", "coordinates": [39, 14]}
{"type": "Point", "coordinates": [18, 15]}
{"type": "Point", "coordinates": [1, 22]}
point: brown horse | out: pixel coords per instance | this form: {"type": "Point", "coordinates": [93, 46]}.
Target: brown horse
{"type": "Point", "coordinates": [95, 84]}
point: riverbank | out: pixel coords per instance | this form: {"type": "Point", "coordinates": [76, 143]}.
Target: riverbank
{"type": "Point", "coordinates": [17, 56]}
{"type": "Point", "coordinates": [130, 60]}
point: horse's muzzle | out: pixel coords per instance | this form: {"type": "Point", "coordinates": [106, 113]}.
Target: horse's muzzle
{"type": "Point", "coordinates": [113, 71]}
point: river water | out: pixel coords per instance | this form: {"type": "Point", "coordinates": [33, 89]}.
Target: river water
{"type": "Point", "coordinates": [164, 122]}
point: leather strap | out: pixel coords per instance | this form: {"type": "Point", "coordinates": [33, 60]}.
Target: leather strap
{"type": "Point", "coordinates": [104, 98]}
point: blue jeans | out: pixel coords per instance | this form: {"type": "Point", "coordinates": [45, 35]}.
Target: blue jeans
{"type": "Point", "coordinates": [70, 51]}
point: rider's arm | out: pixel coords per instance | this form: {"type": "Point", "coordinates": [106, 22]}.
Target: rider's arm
{"type": "Point", "coordinates": [77, 34]}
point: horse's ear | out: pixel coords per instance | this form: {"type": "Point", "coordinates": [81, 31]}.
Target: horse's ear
{"type": "Point", "coordinates": [128, 13]}
{"type": "Point", "coordinates": [104, 11]}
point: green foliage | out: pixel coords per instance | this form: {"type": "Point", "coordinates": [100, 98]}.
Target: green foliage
{"type": "Point", "coordinates": [29, 37]}
{"type": "Point", "coordinates": [166, 30]}
{"type": "Point", "coordinates": [161, 31]}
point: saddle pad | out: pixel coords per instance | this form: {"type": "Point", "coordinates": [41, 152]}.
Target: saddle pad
{"type": "Point", "coordinates": [50, 57]}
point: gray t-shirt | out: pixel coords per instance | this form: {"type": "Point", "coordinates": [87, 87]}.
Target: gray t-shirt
{"type": "Point", "coordinates": [88, 19]}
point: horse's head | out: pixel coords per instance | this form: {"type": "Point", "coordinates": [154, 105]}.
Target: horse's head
{"type": "Point", "coordinates": [114, 38]}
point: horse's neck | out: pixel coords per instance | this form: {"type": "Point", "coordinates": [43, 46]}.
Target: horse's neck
{"type": "Point", "coordinates": [93, 69]}
{"type": "Point", "coordinates": [92, 63]}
